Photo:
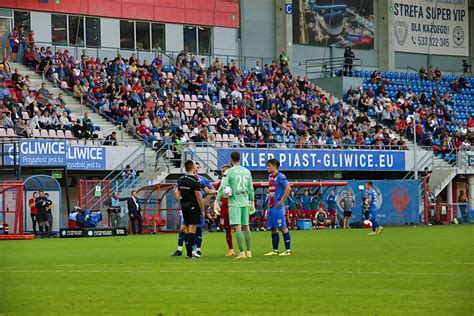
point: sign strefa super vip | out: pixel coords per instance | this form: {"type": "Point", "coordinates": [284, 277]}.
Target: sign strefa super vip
{"type": "Point", "coordinates": [431, 26]}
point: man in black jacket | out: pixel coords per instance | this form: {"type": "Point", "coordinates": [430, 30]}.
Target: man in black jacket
{"type": "Point", "coordinates": [135, 213]}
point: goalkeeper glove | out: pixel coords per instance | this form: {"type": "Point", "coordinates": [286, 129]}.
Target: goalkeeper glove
{"type": "Point", "coordinates": [217, 208]}
{"type": "Point", "coordinates": [252, 208]}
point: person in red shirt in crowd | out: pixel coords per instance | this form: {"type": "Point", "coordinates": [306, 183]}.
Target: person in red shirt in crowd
{"type": "Point", "coordinates": [470, 122]}
{"type": "Point", "coordinates": [33, 210]}
{"type": "Point", "coordinates": [145, 133]}
{"type": "Point", "coordinates": [224, 211]}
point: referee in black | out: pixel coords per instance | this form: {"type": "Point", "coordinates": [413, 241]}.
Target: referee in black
{"type": "Point", "coordinates": [188, 192]}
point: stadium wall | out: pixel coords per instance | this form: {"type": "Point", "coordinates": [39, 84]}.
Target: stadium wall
{"type": "Point", "coordinates": [382, 55]}
{"type": "Point", "coordinates": [223, 13]}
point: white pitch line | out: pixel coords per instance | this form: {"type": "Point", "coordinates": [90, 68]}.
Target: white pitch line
{"type": "Point", "coordinates": [232, 262]}
{"type": "Point", "coordinates": [244, 271]}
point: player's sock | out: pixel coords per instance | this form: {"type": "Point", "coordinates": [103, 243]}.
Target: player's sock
{"type": "Point", "coordinates": [181, 238]}
{"type": "Point", "coordinates": [248, 239]}
{"type": "Point", "coordinates": [46, 229]}
{"type": "Point", "coordinates": [189, 245]}
{"type": "Point", "coordinates": [228, 237]}
{"type": "Point", "coordinates": [287, 239]}
{"type": "Point", "coordinates": [34, 227]}
{"type": "Point", "coordinates": [240, 240]}
{"type": "Point", "coordinates": [374, 224]}
{"type": "Point", "coordinates": [191, 241]}
{"type": "Point", "coordinates": [41, 229]}
{"type": "Point", "coordinates": [198, 241]}
{"type": "Point", "coordinates": [275, 241]}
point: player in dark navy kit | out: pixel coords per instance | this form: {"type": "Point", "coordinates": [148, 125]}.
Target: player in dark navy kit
{"type": "Point", "coordinates": [207, 191]}
{"type": "Point", "coordinates": [188, 191]}
{"type": "Point", "coordinates": [278, 191]}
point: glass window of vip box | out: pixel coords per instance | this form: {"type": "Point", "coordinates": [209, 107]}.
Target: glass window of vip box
{"type": "Point", "coordinates": [190, 42]}
{"type": "Point", "coordinates": [22, 20]}
{"type": "Point", "coordinates": [59, 29]}
{"type": "Point", "coordinates": [158, 36]}
{"type": "Point", "coordinates": [76, 30]}
{"type": "Point", "coordinates": [204, 39]}
{"type": "Point", "coordinates": [127, 34]}
{"type": "Point", "coordinates": [92, 32]}
{"type": "Point", "coordinates": [143, 35]}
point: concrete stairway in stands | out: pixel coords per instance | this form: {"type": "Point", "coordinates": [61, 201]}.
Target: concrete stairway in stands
{"type": "Point", "coordinates": [74, 105]}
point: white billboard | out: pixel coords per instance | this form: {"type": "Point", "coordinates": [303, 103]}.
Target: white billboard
{"type": "Point", "coordinates": [438, 27]}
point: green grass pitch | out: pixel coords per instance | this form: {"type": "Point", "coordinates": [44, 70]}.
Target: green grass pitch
{"type": "Point", "coordinates": [405, 271]}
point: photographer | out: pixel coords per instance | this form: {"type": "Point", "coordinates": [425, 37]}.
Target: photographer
{"type": "Point", "coordinates": [348, 61]}
{"type": "Point", "coordinates": [466, 68]}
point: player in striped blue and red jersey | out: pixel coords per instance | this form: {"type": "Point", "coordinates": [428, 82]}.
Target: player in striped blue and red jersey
{"type": "Point", "coordinates": [278, 191]}
{"type": "Point", "coordinates": [373, 208]}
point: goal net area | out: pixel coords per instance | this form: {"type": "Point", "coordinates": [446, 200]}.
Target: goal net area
{"type": "Point", "coordinates": [11, 207]}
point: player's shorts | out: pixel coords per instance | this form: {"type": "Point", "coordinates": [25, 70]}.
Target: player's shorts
{"type": "Point", "coordinates": [276, 218]}
{"type": "Point", "coordinates": [42, 216]}
{"type": "Point", "coordinates": [191, 215]}
{"type": "Point", "coordinates": [373, 214]}
{"type": "Point", "coordinates": [225, 218]}
{"type": "Point", "coordinates": [308, 213]}
{"type": "Point", "coordinates": [200, 225]}
{"type": "Point", "coordinates": [14, 49]}
{"type": "Point", "coordinates": [293, 214]}
{"type": "Point", "coordinates": [239, 215]}
{"type": "Point", "coordinates": [34, 217]}
{"type": "Point", "coordinates": [347, 213]}
{"type": "Point", "coordinates": [332, 212]}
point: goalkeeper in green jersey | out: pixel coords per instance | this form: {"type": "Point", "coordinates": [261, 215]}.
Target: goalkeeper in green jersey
{"type": "Point", "coordinates": [241, 202]}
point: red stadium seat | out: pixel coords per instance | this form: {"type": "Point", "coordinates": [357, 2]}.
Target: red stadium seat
{"type": "Point", "coordinates": [11, 132]}
{"type": "Point", "coordinates": [68, 134]}
{"type": "Point", "coordinates": [36, 133]}
{"type": "Point", "coordinates": [44, 133]}
{"type": "Point", "coordinates": [52, 133]}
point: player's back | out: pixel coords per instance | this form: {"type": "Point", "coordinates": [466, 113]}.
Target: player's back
{"type": "Point", "coordinates": [240, 181]}
{"type": "Point", "coordinates": [372, 200]}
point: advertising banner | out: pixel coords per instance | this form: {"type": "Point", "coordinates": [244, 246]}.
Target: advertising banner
{"type": "Point", "coordinates": [431, 26]}
{"type": "Point", "coordinates": [328, 22]}
{"type": "Point", "coordinates": [318, 160]}
{"type": "Point", "coordinates": [43, 153]}
{"type": "Point", "coordinates": [397, 200]}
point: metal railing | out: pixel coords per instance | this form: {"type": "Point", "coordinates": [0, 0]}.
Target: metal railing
{"type": "Point", "coordinates": [168, 57]}
{"type": "Point", "coordinates": [327, 67]}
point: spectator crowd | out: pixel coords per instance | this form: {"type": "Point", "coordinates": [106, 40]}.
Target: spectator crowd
{"type": "Point", "coordinates": [194, 101]}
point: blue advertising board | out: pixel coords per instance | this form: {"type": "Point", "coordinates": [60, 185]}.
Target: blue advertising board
{"type": "Point", "coordinates": [398, 200]}
{"type": "Point", "coordinates": [318, 160]}
{"type": "Point", "coordinates": [43, 153]}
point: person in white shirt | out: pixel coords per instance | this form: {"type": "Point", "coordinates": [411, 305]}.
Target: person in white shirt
{"type": "Point", "coordinates": [34, 121]}
{"type": "Point", "coordinates": [45, 121]}
{"type": "Point", "coordinates": [64, 121]}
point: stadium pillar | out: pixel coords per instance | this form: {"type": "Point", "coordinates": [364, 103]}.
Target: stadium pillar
{"type": "Point", "coordinates": [386, 50]}
{"type": "Point", "coordinates": [283, 30]}
{"type": "Point", "coordinates": [470, 181]}
{"type": "Point", "coordinates": [449, 191]}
